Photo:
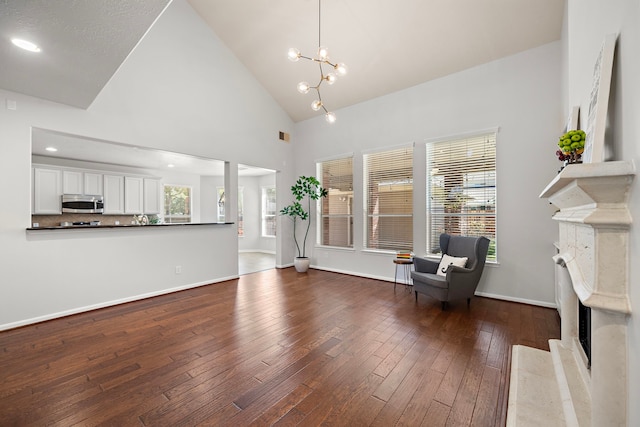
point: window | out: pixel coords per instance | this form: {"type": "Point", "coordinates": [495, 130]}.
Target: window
{"type": "Point", "coordinates": [336, 212]}
{"type": "Point", "coordinates": [177, 204]}
{"type": "Point", "coordinates": [220, 203]}
{"type": "Point", "coordinates": [269, 211]}
{"type": "Point", "coordinates": [461, 187]}
{"type": "Point", "coordinates": [221, 211]}
{"type": "Point", "coordinates": [388, 201]}
{"type": "Point", "coordinates": [240, 211]}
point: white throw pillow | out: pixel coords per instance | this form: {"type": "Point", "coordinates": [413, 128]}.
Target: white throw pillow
{"type": "Point", "coordinates": [447, 260]}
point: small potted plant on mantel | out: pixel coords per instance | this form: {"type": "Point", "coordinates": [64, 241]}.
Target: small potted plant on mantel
{"type": "Point", "coordinates": [306, 187]}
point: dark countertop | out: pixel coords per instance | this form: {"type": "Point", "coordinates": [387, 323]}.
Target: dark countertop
{"type": "Point", "coordinates": [84, 227]}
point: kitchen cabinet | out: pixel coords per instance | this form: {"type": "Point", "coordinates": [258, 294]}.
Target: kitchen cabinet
{"type": "Point", "coordinates": [152, 196]}
{"type": "Point", "coordinates": [76, 182]}
{"type": "Point", "coordinates": [133, 195]}
{"type": "Point", "coordinates": [72, 182]}
{"type": "Point", "coordinates": [93, 183]}
{"type": "Point", "coordinates": [113, 194]}
{"type": "Point", "coordinates": [47, 191]}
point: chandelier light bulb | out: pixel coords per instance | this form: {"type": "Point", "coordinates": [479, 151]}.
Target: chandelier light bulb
{"type": "Point", "coordinates": [303, 87]}
{"type": "Point", "coordinates": [341, 69]}
{"type": "Point", "coordinates": [323, 53]}
{"type": "Point", "coordinates": [330, 117]}
{"type": "Point", "coordinates": [293, 54]}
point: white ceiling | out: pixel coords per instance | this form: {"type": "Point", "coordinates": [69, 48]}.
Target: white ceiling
{"type": "Point", "coordinates": [388, 45]}
{"type": "Point", "coordinates": [83, 43]}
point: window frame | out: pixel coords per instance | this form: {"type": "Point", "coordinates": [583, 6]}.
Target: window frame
{"type": "Point", "coordinates": [474, 179]}
{"type": "Point", "coordinates": [221, 208]}
{"type": "Point", "coordinates": [325, 202]}
{"type": "Point", "coordinates": [395, 182]}
{"type": "Point", "coordinates": [263, 208]}
{"type": "Point", "coordinates": [168, 218]}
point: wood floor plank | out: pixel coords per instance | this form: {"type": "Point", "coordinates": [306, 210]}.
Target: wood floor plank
{"type": "Point", "coordinates": [437, 415]}
{"type": "Point", "coordinates": [417, 408]}
{"type": "Point", "coordinates": [484, 412]}
{"type": "Point", "coordinates": [271, 348]}
{"type": "Point", "coordinates": [465, 401]}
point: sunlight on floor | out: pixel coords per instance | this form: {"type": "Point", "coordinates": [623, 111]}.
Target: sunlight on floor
{"type": "Point", "coordinates": [250, 262]}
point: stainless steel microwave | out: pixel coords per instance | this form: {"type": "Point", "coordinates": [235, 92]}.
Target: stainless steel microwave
{"type": "Point", "coordinates": [82, 203]}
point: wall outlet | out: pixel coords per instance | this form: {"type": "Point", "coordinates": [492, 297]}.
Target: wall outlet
{"type": "Point", "coordinates": [178, 269]}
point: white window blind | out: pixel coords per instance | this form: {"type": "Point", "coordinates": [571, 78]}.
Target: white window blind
{"type": "Point", "coordinates": [269, 211]}
{"type": "Point", "coordinates": [388, 183]}
{"type": "Point", "coordinates": [461, 186]}
{"type": "Point", "coordinates": [336, 210]}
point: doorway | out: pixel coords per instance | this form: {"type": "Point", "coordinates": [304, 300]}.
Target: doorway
{"type": "Point", "coordinates": [257, 218]}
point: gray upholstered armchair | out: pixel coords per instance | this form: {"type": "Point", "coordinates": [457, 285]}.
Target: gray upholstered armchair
{"type": "Point", "coordinates": [456, 282]}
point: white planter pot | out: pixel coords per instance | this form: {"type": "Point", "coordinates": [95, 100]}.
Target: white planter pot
{"type": "Point", "coordinates": [301, 264]}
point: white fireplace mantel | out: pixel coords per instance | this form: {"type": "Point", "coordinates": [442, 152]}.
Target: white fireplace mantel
{"type": "Point", "coordinates": [594, 221]}
{"type": "Point", "coordinates": [593, 260]}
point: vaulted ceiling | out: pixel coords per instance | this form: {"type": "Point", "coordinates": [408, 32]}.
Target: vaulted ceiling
{"type": "Point", "coordinates": [388, 45]}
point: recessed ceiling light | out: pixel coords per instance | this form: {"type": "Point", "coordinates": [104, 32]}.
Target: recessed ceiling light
{"type": "Point", "coordinates": [170, 165]}
{"type": "Point", "coordinates": [52, 149]}
{"type": "Point", "coordinates": [26, 45]}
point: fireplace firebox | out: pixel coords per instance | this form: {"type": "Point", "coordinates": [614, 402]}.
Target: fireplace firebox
{"type": "Point", "coordinates": [584, 330]}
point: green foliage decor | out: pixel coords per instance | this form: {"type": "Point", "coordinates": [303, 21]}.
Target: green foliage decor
{"type": "Point", "coordinates": [306, 187]}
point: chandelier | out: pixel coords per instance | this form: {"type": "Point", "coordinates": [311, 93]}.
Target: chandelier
{"type": "Point", "coordinates": [339, 69]}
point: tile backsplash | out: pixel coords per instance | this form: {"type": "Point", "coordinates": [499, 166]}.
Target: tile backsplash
{"type": "Point", "coordinates": [56, 220]}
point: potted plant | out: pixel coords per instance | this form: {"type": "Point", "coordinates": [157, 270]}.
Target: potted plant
{"type": "Point", "coordinates": [306, 187]}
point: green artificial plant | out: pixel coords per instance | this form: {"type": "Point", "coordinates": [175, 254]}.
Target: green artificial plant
{"type": "Point", "coordinates": [305, 187]}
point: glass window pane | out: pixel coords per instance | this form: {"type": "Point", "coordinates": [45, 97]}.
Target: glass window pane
{"type": "Point", "coordinates": [336, 210]}
{"type": "Point", "coordinates": [461, 187]}
{"type": "Point", "coordinates": [177, 204]}
{"type": "Point", "coordinates": [389, 199]}
{"type": "Point", "coordinates": [269, 211]}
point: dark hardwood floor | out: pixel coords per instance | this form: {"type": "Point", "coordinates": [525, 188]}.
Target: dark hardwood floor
{"type": "Point", "coordinates": [271, 348]}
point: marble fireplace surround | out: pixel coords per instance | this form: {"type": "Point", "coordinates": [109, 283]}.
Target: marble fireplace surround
{"type": "Point", "coordinates": [592, 265]}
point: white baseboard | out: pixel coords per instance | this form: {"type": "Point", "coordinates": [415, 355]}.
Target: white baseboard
{"type": "Point", "coordinates": [77, 310]}
{"type": "Point", "coordinates": [351, 273]}
{"type": "Point", "coordinates": [480, 294]}
{"type": "Point", "coordinates": [515, 299]}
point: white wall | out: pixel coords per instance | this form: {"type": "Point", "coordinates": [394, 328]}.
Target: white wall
{"type": "Point", "coordinates": [180, 90]}
{"type": "Point", "coordinates": [521, 95]}
{"type": "Point", "coordinates": [587, 23]}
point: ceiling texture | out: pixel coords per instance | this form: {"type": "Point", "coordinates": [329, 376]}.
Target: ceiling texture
{"type": "Point", "coordinates": [388, 45]}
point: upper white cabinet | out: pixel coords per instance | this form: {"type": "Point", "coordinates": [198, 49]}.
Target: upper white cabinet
{"type": "Point", "coordinates": [93, 183]}
{"type": "Point", "coordinates": [152, 196]}
{"type": "Point", "coordinates": [113, 194]}
{"type": "Point", "coordinates": [76, 182]}
{"type": "Point", "coordinates": [47, 191]}
{"type": "Point", "coordinates": [72, 182]}
{"type": "Point", "coordinates": [122, 194]}
{"type": "Point", "coordinates": [133, 195]}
